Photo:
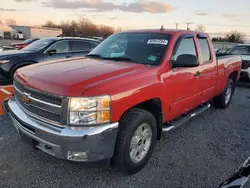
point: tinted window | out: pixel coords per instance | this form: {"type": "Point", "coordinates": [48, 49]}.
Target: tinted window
{"type": "Point", "coordinates": [80, 46]}
{"type": "Point", "coordinates": [38, 45]}
{"type": "Point", "coordinates": [206, 56]}
{"type": "Point", "coordinates": [240, 50]}
{"type": "Point", "coordinates": [142, 48]}
{"type": "Point", "coordinates": [92, 45]}
{"type": "Point", "coordinates": [187, 46]}
{"type": "Point", "coordinates": [27, 41]}
{"type": "Point", "coordinates": [60, 47]}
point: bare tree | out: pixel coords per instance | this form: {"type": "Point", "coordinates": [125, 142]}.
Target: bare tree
{"type": "Point", "coordinates": [118, 30]}
{"type": "Point", "coordinates": [50, 24]}
{"type": "Point", "coordinates": [200, 28]}
{"type": "Point", "coordinates": [233, 36]}
{"type": "Point", "coordinates": [82, 28]}
{"type": "Point", "coordinates": [236, 36]}
{"type": "Point", "coordinates": [10, 22]}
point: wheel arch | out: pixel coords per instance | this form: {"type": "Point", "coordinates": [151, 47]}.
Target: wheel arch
{"type": "Point", "coordinates": [20, 65]}
{"type": "Point", "coordinates": [233, 75]}
{"type": "Point", "coordinates": [154, 106]}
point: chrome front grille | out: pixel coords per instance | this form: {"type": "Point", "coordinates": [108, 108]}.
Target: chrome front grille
{"type": "Point", "coordinates": [39, 95]}
{"type": "Point", "coordinates": [40, 105]}
{"type": "Point", "coordinates": [245, 64]}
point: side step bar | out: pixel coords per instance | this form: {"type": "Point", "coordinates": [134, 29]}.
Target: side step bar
{"type": "Point", "coordinates": [184, 118]}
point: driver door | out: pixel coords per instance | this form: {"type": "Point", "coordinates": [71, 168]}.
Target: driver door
{"type": "Point", "coordinates": [183, 84]}
{"type": "Point", "coordinates": [62, 51]}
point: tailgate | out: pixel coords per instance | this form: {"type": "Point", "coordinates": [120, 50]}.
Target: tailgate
{"type": "Point", "coordinates": [5, 92]}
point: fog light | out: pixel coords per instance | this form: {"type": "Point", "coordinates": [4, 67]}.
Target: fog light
{"type": "Point", "coordinates": [77, 156]}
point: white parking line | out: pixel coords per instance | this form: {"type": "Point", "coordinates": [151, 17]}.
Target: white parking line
{"type": "Point", "coordinates": [5, 91]}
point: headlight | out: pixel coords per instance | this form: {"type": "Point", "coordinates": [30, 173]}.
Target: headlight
{"type": "Point", "coordinates": [4, 61]}
{"type": "Point", "coordinates": [89, 110]}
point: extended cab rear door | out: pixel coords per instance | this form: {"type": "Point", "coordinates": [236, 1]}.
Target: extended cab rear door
{"type": "Point", "coordinates": [208, 65]}
{"type": "Point", "coordinates": [184, 86]}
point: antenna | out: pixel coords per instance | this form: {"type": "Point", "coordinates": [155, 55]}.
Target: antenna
{"type": "Point", "coordinates": [162, 28]}
{"type": "Point", "coordinates": [188, 25]}
{"type": "Point", "coordinates": [177, 24]}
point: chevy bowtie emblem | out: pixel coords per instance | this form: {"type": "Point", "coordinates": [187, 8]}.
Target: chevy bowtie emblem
{"type": "Point", "coordinates": [26, 98]}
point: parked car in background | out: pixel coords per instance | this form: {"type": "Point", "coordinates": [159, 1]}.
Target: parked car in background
{"type": "Point", "coordinates": [116, 103]}
{"type": "Point", "coordinates": [23, 44]}
{"type": "Point", "coordinates": [19, 45]}
{"type": "Point", "coordinates": [240, 178]}
{"type": "Point", "coordinates": [47, 49]}
{"type": "Point", "coordinates": [244, 51]}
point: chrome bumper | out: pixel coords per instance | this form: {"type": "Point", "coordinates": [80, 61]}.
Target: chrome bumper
{"type": "Point", "coordinates": [87, 144]}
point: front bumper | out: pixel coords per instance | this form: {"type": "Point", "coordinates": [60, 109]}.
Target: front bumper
{"type": "Point", "coordinates": [245, 73]}
{"type": "Point", "coordinates": [88, 144]}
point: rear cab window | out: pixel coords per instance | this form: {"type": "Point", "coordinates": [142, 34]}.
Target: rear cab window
{"type": "Point", "coordinates": [205, 50]}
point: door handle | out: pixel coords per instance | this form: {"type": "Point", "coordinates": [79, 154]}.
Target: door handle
{"type": "Point", "coordinates": [197, 74]}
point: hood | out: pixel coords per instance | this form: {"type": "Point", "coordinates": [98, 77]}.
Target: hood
{"type": "Point", "coordinates": [11, 53]}
{"type": "Point", "coordinates": [74, 76]}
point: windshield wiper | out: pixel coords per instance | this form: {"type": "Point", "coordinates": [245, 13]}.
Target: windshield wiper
{"type": "Point", "coordinates": [94, 56]}
{"type": "Point", "coordinates": [122, 59]}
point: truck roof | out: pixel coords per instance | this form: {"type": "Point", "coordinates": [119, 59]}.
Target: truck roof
{"type": "Point", "coordinates": [73, 38]}
{"type": "Point", "coordinates": [165, 31]}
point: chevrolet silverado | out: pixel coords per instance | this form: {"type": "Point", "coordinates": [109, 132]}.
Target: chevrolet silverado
{"type": "Point", "coordinates": [115, 103]}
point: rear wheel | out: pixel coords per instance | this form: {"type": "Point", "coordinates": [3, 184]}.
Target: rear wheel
{"type": "Point", "coordinates": [224, 99]}
{"type": "Point", "coordinates": [136, 141]}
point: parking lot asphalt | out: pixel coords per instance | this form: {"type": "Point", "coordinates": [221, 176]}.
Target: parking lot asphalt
{"type": "Point", "coordinates": [204, 152]}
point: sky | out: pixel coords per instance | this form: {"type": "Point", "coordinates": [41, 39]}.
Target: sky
{"type": "Point", "coordinates": [216, 15]}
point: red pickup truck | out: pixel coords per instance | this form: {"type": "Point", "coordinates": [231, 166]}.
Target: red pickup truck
{"type": "Point", "coordinates": [115, 103]}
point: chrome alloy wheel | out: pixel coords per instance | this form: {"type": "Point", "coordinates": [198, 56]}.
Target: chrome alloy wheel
{"type": "Point", "coordinates": [140, 143]}
{"type": "Point", "coordinates": [229, 93]}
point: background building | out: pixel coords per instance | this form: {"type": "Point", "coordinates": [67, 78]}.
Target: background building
{"type": "Point", "coordinates": [37, 32]}
{"type": "Point", "coordinates": [6, 32]}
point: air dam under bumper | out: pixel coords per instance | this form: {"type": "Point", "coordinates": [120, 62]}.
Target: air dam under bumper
{"type": "Point", "coordinates": [88, 144]}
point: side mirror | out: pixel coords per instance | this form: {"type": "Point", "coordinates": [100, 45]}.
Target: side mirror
{"type": "Point", "coordinates": [186, 60]}
{"type": "Point", "coordinates": [52, 51]}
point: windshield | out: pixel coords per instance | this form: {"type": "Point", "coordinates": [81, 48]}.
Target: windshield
{"type": "Point", "coordinates": [240, 50]}
{"type": "Point", "coordinates": [143, 48]}
{"type": "Point", "coordinates": [38, 45]}
{"type": "Point", "coordinates": [27, 41]}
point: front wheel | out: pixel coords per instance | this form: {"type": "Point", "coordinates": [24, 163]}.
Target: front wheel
{"type": "Point", "coordinates": [224, 99]}
{"type": "Point", "coordinates": [136, 141]}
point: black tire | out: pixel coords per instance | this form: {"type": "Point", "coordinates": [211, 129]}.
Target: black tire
{"type": "Point", "coordinates": [220, 100]}
{"type": "Point", "coordinates": [128, 125]}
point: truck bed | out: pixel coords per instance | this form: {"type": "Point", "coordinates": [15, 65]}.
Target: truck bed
{"type": "Point", "coordinates": [227, 65]}
{"type": "Point", "coordinates": [233, 60]}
